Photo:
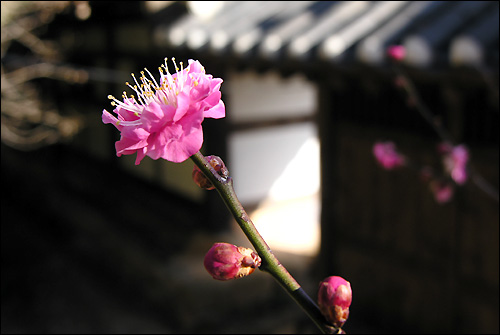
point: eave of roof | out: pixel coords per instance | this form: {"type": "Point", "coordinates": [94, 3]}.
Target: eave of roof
{"type": "Point", "coordinates": [436, 34]}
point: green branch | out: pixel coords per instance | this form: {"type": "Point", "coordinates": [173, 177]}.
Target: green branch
{"type": "Point", "coordinates": [270, 263]}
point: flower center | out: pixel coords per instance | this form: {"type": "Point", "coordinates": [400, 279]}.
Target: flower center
{"type": "Point", "coordinates": [148, 90]}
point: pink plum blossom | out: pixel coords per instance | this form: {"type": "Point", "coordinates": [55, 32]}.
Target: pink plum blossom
{"type": "Point", "coordinates": [455, 159]}
{"type": "Point", "coordinates": [334, 299]}
{"type": "Point", "coordinates": [164, 120]}
{"type": "Point", "coordinates": [396, 52]}
{"type": "Point", "coordinates": [387, 155]}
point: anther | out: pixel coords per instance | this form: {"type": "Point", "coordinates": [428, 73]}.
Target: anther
{"type": "Point", "coordinates": [175, 65]}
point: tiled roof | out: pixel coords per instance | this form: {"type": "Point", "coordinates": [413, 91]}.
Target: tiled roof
{"type": "Point", "coordinates": [435, 33]}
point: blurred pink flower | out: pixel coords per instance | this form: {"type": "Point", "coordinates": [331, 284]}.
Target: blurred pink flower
{"type": "Point", "coordinates": [396, 52]}
{"type": "Point", "coordinates": [164, 120]}
{"type": "Point", "coordinates": [387, 156]}
{"type": "Point", "coordinates": [443, 192]}
{"type": "Point", "coordinates": [334, 299]}
{"type": "Point", "coordinates": [455, 159]}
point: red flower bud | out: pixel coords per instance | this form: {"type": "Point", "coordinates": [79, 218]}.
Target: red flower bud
{"type": "Point", "coordinates": [201, 180]}
{"type": "Point", "coordinates": [226, 261]}
{"type": "Point", "coordinates": [334, 299]}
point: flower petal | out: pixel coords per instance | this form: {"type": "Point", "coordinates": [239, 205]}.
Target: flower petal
{"type": "Point", "coordinates": [107, 117]}
{"type": "Point", "coordinates": [127, 146]}
{"type": "Point", "coordinates": [183, 104]}
{"type": "Point", "coordinates": [216, 112]}
{"type": "Point", "coordinates": [156, 116]}
{"type": "Point", "coordinates": [180, 150]}
{"type": "Point", "coordinates": [135, 133]}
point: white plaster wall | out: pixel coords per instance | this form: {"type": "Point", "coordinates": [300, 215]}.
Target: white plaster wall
{"type": "Point", "coordinates": [276, 167]}
{"type": "Point", "coordinates": [254, 97]}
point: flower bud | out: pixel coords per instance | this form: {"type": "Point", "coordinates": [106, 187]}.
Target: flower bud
{"type": "Point", "coordinates": [226, 261]}
{"type": "Point", "coordinates": [443, 191]}
{"type": "Point", "coordinates": [201, 180]}
{"type": "Point", "coordinates": [334, 299]}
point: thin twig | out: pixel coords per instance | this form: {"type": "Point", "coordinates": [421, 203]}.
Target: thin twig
{"type": "Point", "coordinates": [425, 112]}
